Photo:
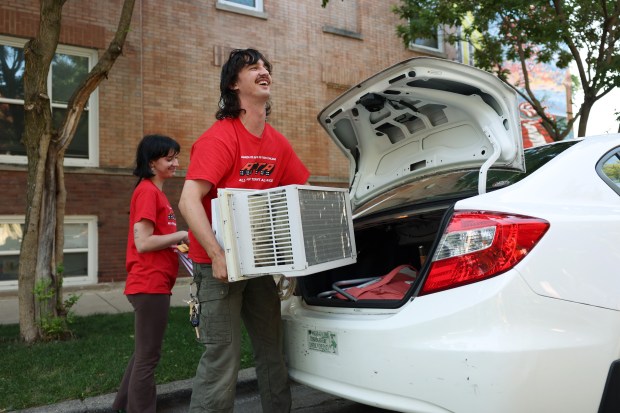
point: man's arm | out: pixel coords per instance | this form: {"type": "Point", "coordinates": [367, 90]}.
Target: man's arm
{"type": "Point", "coordinates": [190, 205]}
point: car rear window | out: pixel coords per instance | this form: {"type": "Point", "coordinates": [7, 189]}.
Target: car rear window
{"type": "Point", "coordinates": [458, 184]}
{"type": "Point", "coordinates": [534, 158]}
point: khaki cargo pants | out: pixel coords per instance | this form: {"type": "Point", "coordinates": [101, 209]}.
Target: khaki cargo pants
{"type": "Point", "coordinates": [223, 306]}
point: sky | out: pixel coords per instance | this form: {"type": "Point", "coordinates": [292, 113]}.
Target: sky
{"type": "Point", "coordinates": [602, 118]}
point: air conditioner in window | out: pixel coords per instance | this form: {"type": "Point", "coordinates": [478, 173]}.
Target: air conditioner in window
{"type": "Point", "coordinates": [293, 230]}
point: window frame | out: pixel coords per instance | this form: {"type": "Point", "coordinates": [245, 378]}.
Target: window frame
{"type": "Point", "coordinates": [92, 107]}
{"type": "Point", "coordinates": [231, 3]}
{"type": "Point", "coordinates": [440, 44]}
{"type": "Point", "coordinates": [92, 250]}
{"type": "Point", "coordinates": [439, 50]}
{"type": "Point", "coordinates": [614, 153]}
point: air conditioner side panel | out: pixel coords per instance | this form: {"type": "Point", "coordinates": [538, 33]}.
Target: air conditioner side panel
{"type": "Point", "coordinates": [223, 225]}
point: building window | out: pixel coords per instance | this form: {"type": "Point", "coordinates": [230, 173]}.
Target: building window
{"type": "Point", "coordinates": [80, 250]}
{"type": "Point", "coordinates": [342, 18]}
{"type": "Point", "coordinates": [253, 5]}
{"type": "Point", "coordinates": [434, 44]}
{"type": "Point", "coordinates": [69, 66]}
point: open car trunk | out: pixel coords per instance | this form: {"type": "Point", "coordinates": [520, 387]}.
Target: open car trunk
{"type": "Point", "coordinates": [383, 244]}
{"type": "Point", "coordinates": [419, 136]}
{"type": "Point", "coordinates": [405, 226]}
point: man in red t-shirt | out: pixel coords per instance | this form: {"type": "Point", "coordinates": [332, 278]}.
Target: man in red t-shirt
{"type": "Point", "coordinates": [240, 150]}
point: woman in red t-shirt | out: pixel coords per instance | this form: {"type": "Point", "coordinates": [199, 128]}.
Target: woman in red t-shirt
{"type": "Point", "coordinates": [152, 267]}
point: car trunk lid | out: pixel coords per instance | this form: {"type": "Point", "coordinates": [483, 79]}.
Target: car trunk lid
{"type": "Point", "coordinates": [424, 117]}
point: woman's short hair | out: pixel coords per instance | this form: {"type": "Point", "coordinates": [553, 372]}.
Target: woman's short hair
{"type": "Point", "coordinates": [151, 148]}
{"type": "Point", "coordinates": [229, 104]}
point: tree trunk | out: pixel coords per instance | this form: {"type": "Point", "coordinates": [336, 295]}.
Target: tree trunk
{"type": "Point", "coordinates": [46, 268]}
{"type": "Point", "coordinates": [61, 197]}
{"type": "Point", "coordinates": [586, 108]}
{"type": "Point", "coordinates": [42, 245]}
{"type": "Point", "coordinates": [38, 55]}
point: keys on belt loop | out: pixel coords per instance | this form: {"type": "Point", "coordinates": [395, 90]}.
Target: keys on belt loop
{"type": "Point", "coordinates": [194, 310]}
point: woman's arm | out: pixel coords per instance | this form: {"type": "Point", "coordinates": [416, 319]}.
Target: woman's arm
{"type": "Point", "coordinates": [145, 240]}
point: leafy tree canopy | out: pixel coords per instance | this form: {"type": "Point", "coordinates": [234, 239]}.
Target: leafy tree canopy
{"type": "Point", "coordinates": [558, 32]}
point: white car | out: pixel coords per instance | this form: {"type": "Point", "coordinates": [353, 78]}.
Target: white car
{"type": "Point", "coordinates": [514, 306]}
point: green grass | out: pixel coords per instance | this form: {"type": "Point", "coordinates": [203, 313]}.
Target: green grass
{"type": "Point", "coordinates": [93, 362]}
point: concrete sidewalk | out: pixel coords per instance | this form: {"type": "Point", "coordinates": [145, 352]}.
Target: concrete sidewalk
{"type": "Point", "coordinates": [104, 298]}
{"type": "Point", "coordinates": [108, 298]}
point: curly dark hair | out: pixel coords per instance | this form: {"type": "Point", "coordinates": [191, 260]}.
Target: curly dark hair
{"type": "Point", "coordinates": [229, 105]}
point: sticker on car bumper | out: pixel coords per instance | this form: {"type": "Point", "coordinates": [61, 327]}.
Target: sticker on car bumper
{"type": "Point", "coordinates": [323, 341]}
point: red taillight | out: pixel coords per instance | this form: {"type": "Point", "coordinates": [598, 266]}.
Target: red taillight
{"type": "Point", "coordinates": [480, 245]}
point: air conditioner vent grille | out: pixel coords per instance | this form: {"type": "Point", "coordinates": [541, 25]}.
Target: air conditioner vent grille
{"type": "Point", "coordinates": [270, 229]}
{"type": "Point", "coordinates": [326, 232]}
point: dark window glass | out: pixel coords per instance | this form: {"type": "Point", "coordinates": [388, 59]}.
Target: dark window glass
{"type": "Point", "coordinates": [76, 264]}
{"type": "Point", "coordinates": [430, 43]}
{"type": "Point", "coordinates": [9, 265]}
{"type": "Point", "coordinates": [67, 73]}
{"type": "Point", "coordinates": [11, 235]}
{"type": "Point", "coordinates": [78, 148]}
{"type": "Point", "coordinates": [11, 129]}
{"type": "Point", "coordinates": [11, 72]}
{"type": "Point", "coordinates": [250, 3]}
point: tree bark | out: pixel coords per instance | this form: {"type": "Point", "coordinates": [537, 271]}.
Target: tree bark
{"type": "Point", "coordinates": [38, 54]}
{"type": "Point", "coordinates": [42, 245]}
{"type": "Point", "coordinates": [586, 107]}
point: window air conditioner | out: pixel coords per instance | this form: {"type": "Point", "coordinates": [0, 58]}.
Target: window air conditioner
{"type": "Point", "coordinates": [292, 230]}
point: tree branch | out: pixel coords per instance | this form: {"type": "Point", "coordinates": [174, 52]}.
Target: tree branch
{"type": "Point", "coordinates": [80, 97]}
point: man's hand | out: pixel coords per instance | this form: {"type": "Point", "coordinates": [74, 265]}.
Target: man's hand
{"type": "Point", "coordinates": [195, 215]}
{"type": "Point", "coordinates": [218, 264]}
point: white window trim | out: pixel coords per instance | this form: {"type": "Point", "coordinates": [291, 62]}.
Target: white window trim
{"type": "Point", "coordinates": [93, 250]}
{"type": "Point", "coordinates": [257, 8]}
{"type": "Point", "coordinates": [440, 44]}
{"type": "Point", "coordinates": [93, 107]}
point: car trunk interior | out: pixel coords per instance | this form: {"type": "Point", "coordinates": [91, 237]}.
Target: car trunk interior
{"type": "Point", "coordinates": [382, 245]}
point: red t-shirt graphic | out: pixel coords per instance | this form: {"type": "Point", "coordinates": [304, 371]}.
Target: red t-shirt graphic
{"type": "Point", "coordinates": [229, 156]}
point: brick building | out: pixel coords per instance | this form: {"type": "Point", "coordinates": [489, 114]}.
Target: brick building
{"type": "Point", "coordinates": [167, 81]}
